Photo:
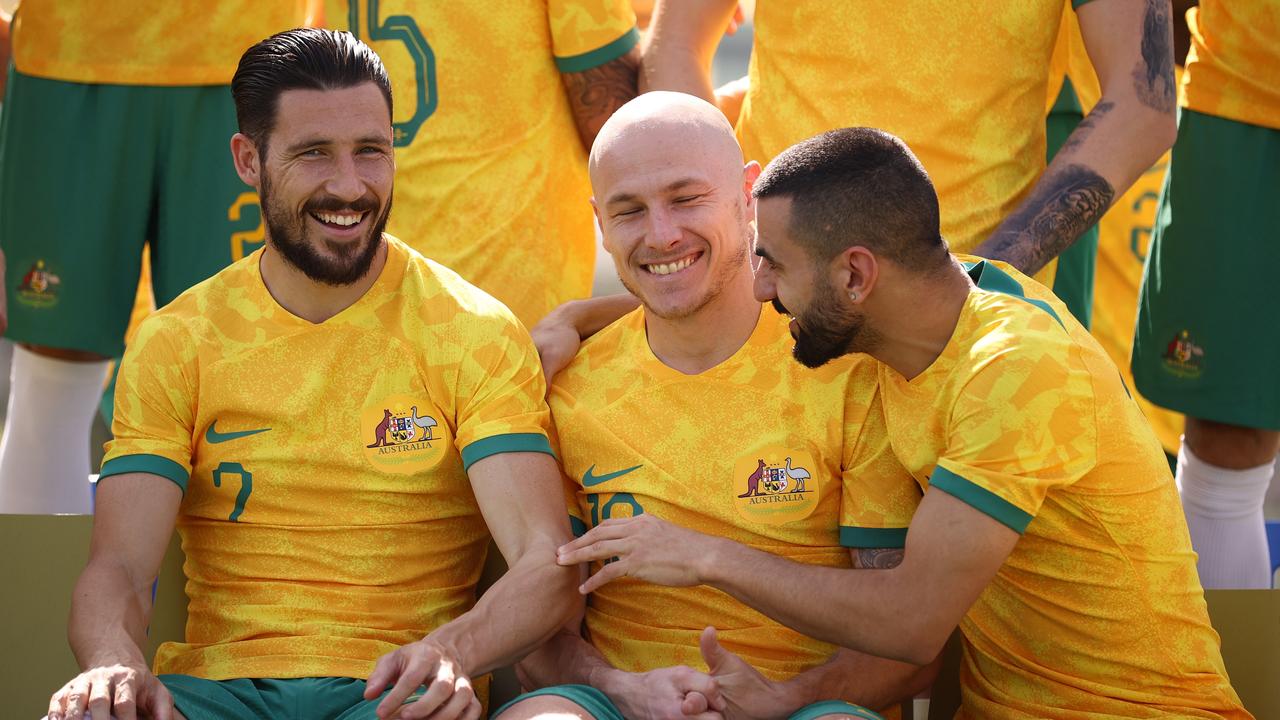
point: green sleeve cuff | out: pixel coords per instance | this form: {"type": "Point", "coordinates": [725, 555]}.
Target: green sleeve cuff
{"type": "Point", "coordinates": [601, 55]}
{"type": "Point", "coordinates": [510, 442]}
{"type": "Point", "coordinates": [152, 464]}
{"type": "Point", "coordinates": [578, 527]}
{"type": "Point", "coordinates": [862, 537]}
{"type": "Point", "coordinates": [980, 498]}
{"type": "Point", "coordinates": [1075, 4]}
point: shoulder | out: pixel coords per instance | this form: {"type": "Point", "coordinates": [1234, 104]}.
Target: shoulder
{"type": "Point", "coordinates": [606, 358]}
{"type": "Point", "coordinates": [441, 296]}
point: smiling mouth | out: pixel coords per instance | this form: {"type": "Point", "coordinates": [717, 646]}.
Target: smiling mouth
{"type": "Point", "coordinates": [674, 266]}
{"type": "Point", "coordinates": [338, 220]}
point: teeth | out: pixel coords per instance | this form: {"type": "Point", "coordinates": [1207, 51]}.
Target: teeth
{"type": "Point", "coordinates": [668, 268]}
{"type": "Point", "coordinates": [343, 220]}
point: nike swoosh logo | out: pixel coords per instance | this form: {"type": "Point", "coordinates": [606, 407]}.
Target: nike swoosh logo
{"type": "Point", "coordinates": [588, 479]}
{"type": "Point", "coordinates": [214, 437]}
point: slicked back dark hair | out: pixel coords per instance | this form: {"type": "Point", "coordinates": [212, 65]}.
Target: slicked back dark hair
{"type": "Point", "coordinates": [858, 186]}
{"type": "Point", "coordinates": [299, 59]}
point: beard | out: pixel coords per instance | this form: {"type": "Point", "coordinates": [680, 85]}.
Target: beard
{"type": "Point", "coordinates": [828, 330]}
{"type": "Point", "coordinates": [346, 262]}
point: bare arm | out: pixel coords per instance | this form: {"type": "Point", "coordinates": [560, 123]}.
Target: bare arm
{"type": "Point", "coordinates": [681, 43]}
{"type": "Point", "coordinates": [594, 94]}
{"type": "Point", "coordinates": [134, 516]}
{"type": "Point", "coordinates": [952, 552]}
{"type": "Point", "coordinates": [1130, 45]}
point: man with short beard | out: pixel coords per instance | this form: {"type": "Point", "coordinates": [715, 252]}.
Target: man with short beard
{"type": "Point", "coordinates": [690, 409]}
{"type": "Point", "coordinates": [1050, 530]}
{"type": "Point", "coordinates": [331, 422]}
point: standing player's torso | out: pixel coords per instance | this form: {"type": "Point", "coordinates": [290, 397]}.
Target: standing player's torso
{"type": "Point", "coordinates": [1102, 582]}
{"type": "Point", "coordinates": [750, 450]}
{"type": "Point", "coordinates": [327, 518]}
{"type": "Point", "coordinates": [146, 42]}
{"type": "Point", "coordinates": [962, 83]}
{"type": "Point", "coordinates": [492, 174]}
{"type": "Point", "coordinates": [1233, 69]}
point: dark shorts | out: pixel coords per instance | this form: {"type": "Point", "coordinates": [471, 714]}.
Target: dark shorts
{"type": "Point", "coordinates": [1206, 342]}
{"type": "Point", "coordinates": [91, 172]}
{"type": "Point", "coordinates": [602, 708]}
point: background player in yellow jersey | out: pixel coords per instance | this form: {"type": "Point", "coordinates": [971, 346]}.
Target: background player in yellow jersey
{"type": "Point", "coordinates": [963, 85]}
{"type": "Point", "coordinates": [691, 410]}
{"type": "Point", "coordinates": [1049, 531]}
{"type": "Point", "coordinates": [1198, 346]}
{"type": "Point", "coordinates": [497, 111]}
{"type": "Point", "coordinates": [114, 135]}
{"type": "Point", "coordinates": [331, 422]}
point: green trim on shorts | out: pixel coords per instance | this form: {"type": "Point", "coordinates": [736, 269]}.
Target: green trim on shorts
{"type": "Point", "coordinates": [153, 464]}
{"type": "Point", "coordinates": [505, 443]}
{"type": "Point", "coordinates": [339, 698]}
{"type": "Point", "coordinates": [588, 698]}
{"type": "Point", "coordinates": [834, 707]}
{"type": "Point", "coordinates": [865, 537]}
{"type": "Point", "coordinates": [980, 498]}
{"type": "Point", "coordinates": [601, 55]}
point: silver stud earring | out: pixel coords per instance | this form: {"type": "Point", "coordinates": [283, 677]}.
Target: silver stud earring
{"type": "Point", "coordinates": [853, 296]}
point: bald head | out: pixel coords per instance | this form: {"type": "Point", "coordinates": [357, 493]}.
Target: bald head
{"type": "Point", "coordinates": [667, 128]}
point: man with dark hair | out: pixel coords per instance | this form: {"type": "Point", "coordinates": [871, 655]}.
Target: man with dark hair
{"type": "Point", "coordinates": [1049, 531]}
{"type": "Point", "coordinates": [331, 423]}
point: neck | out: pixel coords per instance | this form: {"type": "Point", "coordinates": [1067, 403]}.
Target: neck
{"type": "Point", "coordinates": [925, 311]}
{"type": "Point", "coordinates": [308, 299]}
{"type": "Point", "coordinates": [699, 342]}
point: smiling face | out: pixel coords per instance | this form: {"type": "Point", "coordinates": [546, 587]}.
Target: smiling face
{"type": "Point", "coordinates": [326, 180]}
{"type": "Point", "coordinates": [673, 202]}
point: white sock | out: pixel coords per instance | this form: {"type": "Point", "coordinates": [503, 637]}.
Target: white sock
{"type": "Point", "coordinates": [1224, 515]}
{"type": "Point", "coordinates": [1271, 506]}
{"type": "Point", "coordinates": [44, 452]}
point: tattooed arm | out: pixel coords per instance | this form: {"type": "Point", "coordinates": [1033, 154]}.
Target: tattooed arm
{"type": "Point", "coordinates": [1130, 45]}
{"type": "Point", "coordinates": [594, 94]}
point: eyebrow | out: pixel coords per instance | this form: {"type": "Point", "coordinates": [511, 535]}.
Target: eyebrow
{"type": "Point", "coordinates": [321, 141]}
{"type": "Point", "coordinates": [674, 186]}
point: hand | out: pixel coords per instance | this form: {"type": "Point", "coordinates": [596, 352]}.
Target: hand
{"type": "Point", "coordinates": [646, 548]}
{"type": "Point", "coordinates": [557, 341]}
{"type": "Point", "coordinates": [449, 693]}
{"type": "Point", "coordinates": [739, 18]}
{"type": "Point", "coordinates": [670, 693]}
{"type": "Point", "coordinates": [748, 694]}
{"type": "Point", "coordinates": [113, 691]}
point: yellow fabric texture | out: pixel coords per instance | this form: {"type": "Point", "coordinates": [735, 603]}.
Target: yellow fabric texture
{"type": "Point", "coordinates": [1233, 68]}
{"type": "Point", "coordinates": [493, 181]}
{"type": "Point", "coordinates": [1098, 611]}
{"type": "Point", "coordinates": [696, 446]}
{"type": "Point", "coordinates": [355, 527]}
{"type": "Point", "coordinates": [962, 85]}
{"type": "Point", "coordinates": [1124, 234]}
{"type": "Point", "coordinates": [146, 42]}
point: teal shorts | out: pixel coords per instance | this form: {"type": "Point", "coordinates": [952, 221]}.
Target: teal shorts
{"type": "Point", "coordinates": [1206, 343]}
{"type": "Point", "coordinates": [330, 698]}
{"type": "Point", "coordinates": [89, 173]}
{"type": "Point", "coordinates": [602, 708]}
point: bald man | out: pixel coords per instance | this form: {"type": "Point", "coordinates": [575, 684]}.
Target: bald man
{"type": "Point", "coordinates": [689, 411]}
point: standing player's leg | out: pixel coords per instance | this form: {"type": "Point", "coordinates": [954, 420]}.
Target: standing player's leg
{"type": "Point", "coordinates": [75, 198]}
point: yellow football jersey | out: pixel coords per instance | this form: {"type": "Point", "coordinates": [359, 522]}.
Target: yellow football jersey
{"type": "Point", "coordinates": [962, 85]}
{"type": "Point", "coordinates": [1098, 610]}
{"type": "Point", "coordinates": [492, 174]}
{"type": "Point", "coordinates": [758, 449]}
{"type": "Point", "coordinates": [1233, 69]}
{"type": "Point", "coordinates": [146, 42]}
{"type": "Point", "coordinates": [327, 516]}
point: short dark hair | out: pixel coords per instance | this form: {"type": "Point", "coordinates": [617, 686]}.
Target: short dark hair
{"type": "Point", "coordinates": [858, 186]}
{"type": "Point", "coordinates": [303, 58]}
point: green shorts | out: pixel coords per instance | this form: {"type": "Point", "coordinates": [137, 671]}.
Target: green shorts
{"type": "Point", "coordinates": [1073, 281]}
{"type": "Point", "coordinates": [1206, 343]}
{"type": "Point", "coordinates": [88, 174]}
{"type": "Point", "coordinates": [293, 699]}
{"type": "Point", "coordinates": [602, 708]}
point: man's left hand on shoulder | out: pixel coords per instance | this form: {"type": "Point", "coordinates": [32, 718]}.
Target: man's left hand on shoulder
{"type": "Point", "coordinates": [645, 547]}
{"type": "Point", "coordinates": [448, 695]}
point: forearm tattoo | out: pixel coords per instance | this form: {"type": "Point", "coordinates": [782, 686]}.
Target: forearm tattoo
{"type": "Point", "coordinates": [1153, 76]}
{"type": "Point", "coordinates": [877, 558]}
{"type": "Point", "coordinates": [596, 93]}
{"type": "Point", "coordinates": [1085, 127]}
{"type": "Point", "coordinates": [1066, 202]}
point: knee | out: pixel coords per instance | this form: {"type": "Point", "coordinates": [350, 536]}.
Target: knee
{"type": "Point", "coordinates": [1231, 446]}
{"type": "Point", "coordinates": [545, 707]}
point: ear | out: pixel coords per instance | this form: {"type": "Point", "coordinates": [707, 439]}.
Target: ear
{"type": "Point", "coordinates": [750, 172]}
{"type": "Point", "coordinates": [604, 238]}
{"type": "Point", "coordinates": [855, 271]}
{"type": "Point", "coordinates": [244, 154]}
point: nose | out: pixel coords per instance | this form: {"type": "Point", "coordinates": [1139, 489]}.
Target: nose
{"type": "Point", "coordinates": [763, 286]}
{"type": "Point", "coordinates": [663, 231]}
{"type": "Point", "coordinates": [345, 181]}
